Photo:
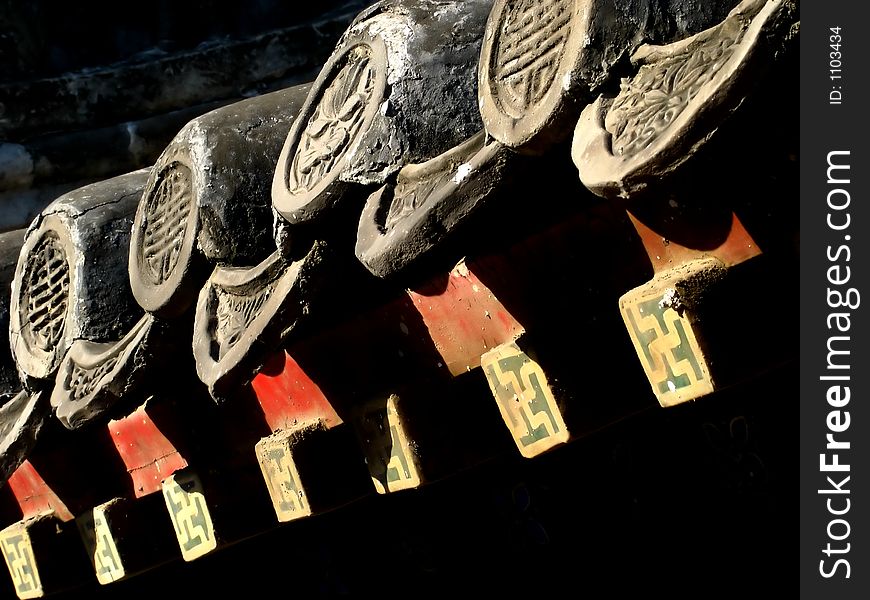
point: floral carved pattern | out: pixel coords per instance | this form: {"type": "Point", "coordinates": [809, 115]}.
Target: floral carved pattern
{"type": "Point", "coordinates": [165, 223]}
{"type": "Point", "coordinates": [235, 313]}
{"type": "Point", "coordinates": [335, 122]}
{"type": "Point", "coordinates": [648, 104]}
{"type": "Point", "coordinates": [83, 382]}
{"type": "Point", "coordinates": [45, 293]}
{"type": "Point", "coordinates": [531, 42]}
{"type": "Point", "coordinates": [409, 195]}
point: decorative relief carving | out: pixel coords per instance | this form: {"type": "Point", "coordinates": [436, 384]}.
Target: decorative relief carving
{"type": "Point", "coordinates": [336, 121]}
{"type": "Point", "coordinates": [81, 382]}
{"type": "Point", "coordinates": [235, 313]}
{"type": "Point", "coordinates": [319, 152]}
{"type": "Point", "coordinates": [243, 315]}
{"type": "Point", "coordinates": [94, 376]}
{"type": "Point", "coordinates": [409, 195]}
{"type": "Point", "coordinates": [649, 103]}
{"type": "Point", "coordinates": [429, 201]}
{"type": "Point", "coordinates": [165, 222]}
{"type": "Point", "coordinates": [531, 39]}
{"type": "Point", "coordinates": [45, 290]}
{"type": "Point", "coordinates": [534, 66]}
{"type": "Point", "coordinates": [679, 97]}
{"type": "Point", "coordinates": [420, 185]}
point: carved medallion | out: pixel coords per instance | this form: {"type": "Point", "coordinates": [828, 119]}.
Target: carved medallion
{"type": "Point", "coordinates": [165, 221]}
{"type": "Point", "coordinates": [45, 290]}
{"type": "Point", "coordinates": [527, 66]}
{"type": "Point", "coordinates": [335, 122]}
{"type": "Point", "coordinates": [404, 220]}
{"type": "Point", "coordinates": [679, 96]}
{"type": "Point", "coordinates": [243, 315]}
{"type": "Point", "coordinates": [71, 280]}
{"type": "Point", "coordinates": [338, 111]}
{"type": "Point", "coordinates": [531, 40]}
{"type": "Point", "coordinates": [40, 311]}
{"type": "Point", "coordinates": [164, 232]}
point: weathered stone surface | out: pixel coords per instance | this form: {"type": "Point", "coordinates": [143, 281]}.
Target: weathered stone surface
{"type": "Point", "coordinates": [71, 278]}
{"type": "Point", "coordinates": [542, 61]}
{"type": "Point", "coordinates": [158, 81]}
{"type": "Point", "coordinates": [10, 247]}
{"type": "Point", "coordinates": [679, 96]}
{"type": "Point", "coordinates": [91, 155]}
{"type": "Point", "coordinates": [244, 315]}
{"type": "Point", "coordinates": [21, 420]}
{"type": "Point", "coordinates": [407, 218]}
{"type": "Point", "coordinates": [399, 88]}
{"type": "Point", "coordinates": [94, 377]}
{"type": "Point", "coordinates": [208, 199]}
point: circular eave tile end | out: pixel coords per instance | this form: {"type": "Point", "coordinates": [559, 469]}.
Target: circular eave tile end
{"type": "Point", "coordinates": [526, 71]}
{"type": "Point", "coordinates": [163, 260]}
{"type": "Point", "coordinates": [339, 111]}
{"type": "Point", "coordinates": [42, 304]}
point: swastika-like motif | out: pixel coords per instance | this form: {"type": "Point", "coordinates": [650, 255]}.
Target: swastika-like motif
{"type": "Point", "coordinates": [100, 545]}
{"type": "Point", "coordinates": [391, 459]}
{"type": "Point", "coordinates": [45, 290]}
{"type": "Point", "coordinates": [336, 121]}
{"type": "Point", "coordinates": [190, 516]}
{"type": "Point", "coordinates": [165, 222]}
{"type": "Point", "coordinates": [18, 554]}
{"type": "Point", "coordinates": [524, 399]}
{"type": "Point", "coordinates": [107, 561]}
{"type": "Point", "coordinates": [667, 348]}
{"type": "Point", "coordinates": [282, 478]}
{"type": "Point", "coordinates": [531, 39]}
